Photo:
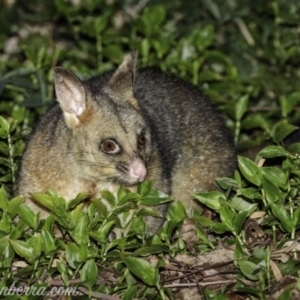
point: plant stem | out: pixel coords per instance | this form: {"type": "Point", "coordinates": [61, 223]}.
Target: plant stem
{"type": "Point", "coordinates": [11, 159]}
{"type": "Point", "coordinates": [237, 132]}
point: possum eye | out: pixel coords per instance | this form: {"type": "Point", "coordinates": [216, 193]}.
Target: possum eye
{"type": "Point", "coordinates": [110, 147]}
{"type": "Point", "coordinates": [142, 139]}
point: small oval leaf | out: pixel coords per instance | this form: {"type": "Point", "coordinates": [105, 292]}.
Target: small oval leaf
{"type": "Point", "coordinates": [249, 170]}
{"type": "Point", "coordinates": [142, 269]}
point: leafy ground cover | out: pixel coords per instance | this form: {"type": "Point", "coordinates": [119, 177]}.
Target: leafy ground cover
{"type": "Point", "coordinates": [245, 56]}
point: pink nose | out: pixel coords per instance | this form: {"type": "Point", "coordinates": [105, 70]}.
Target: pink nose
{"type": "Point", "coordinates": [137, 170]}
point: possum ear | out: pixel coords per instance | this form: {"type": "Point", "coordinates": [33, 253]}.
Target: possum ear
{"type": "Point", "coordinates": [121, 84]}
{"type": "Point", "coordinates": [71, 95]}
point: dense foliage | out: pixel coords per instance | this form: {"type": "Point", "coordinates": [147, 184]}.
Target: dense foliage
{"type": "Point", "coordinates": [243, 54]}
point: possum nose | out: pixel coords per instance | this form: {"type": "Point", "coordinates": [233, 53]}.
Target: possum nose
{"type": "Point", "coordinates": [138, 170]}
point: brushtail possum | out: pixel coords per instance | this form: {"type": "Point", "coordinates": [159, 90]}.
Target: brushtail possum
{"type": "Point", "coordinates": [121, 128]}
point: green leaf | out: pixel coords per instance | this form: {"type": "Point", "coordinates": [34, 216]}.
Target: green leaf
{"type": "Point", "coordinates": [249, 170]}
{"type": "Point", "coordinates": [149, 250]}
{"type": "Point", "coordinates": [220, 228]}
{"type": "Point", "coordinates": [137, 225]}
{"type": "Point", "coordinates": [63, 272]}
{"type": "Point", "coordinates": [154, 197]}
{"type": "Point", "coordinates": [240, 107]}
{"type": "Point", "coordinates": [290, 267]}
{"type": "Point", "coordinates": [26, 214]}
{"type": "Point", "coordinates": [102, 233]}
{"type": "Point", "coordinates": [145, 187]}
{"type": "Point", "coordinates": [5, 223]}
{"type": "Point", "coordinates": [282, 215]}
{"type": "Point", "coordinates": [158, 14]}
{"type": "Point", "coordinates": [211, 199]}
{"type": "Point", "coordinates": [208, 294]}
{"type": "Point", "coordinates": [227, 183]}
{"type": "Point", "coordinates": [162, 46]}
{"type": "Point", "coordinates": [4, 203]}
{"type": "Point", "coordinates": [272, 192]}
{"type": "Point", "coordinates": [142, 269]}
{"type": "Point", "coordinates": [6, 178]}
{"type": "Point", "coordinates": [75, 255]}
{"type": "Point", "coordinates": [282, 130]}
{"type": "Point", "coordinates": [58, 202]}
{"type": "Point", "coordinates": [176, 212]}
{"type": "Point", "coordinates": [125, 208]}
{"type": "Point", "coordinates": [3, 135]}
{"type": "Point", "coordinates": [144, 47]}
{"type": "Point", "coordinates": [91, 211]}
{"type": "Point", "coordinates": [35, 242]}
{"type": "Point", "coordinates": [109, 196]}
{"type": "Point", "coordinates": [288, 103]}
{"type": "Point", "coordinates": [239, 204]}
{"type": "Point", "coordinates": [248, 269]}
{"type": "Point", "coordinates": [151, 18]}
{"type": "Point", "coordinates": [294, 148]}
{"type": "Point", "coordinates": [76, 214]}
{"type": "Point", "coordinates": [260, 253]}
{"type": "Point", "coordinates": [79, 233]}
{"type": "Point", "coordinates": [148, 212]}
{"type": "Point", "coordinates": [129, 197]}
{"type": "Point", "coordinates": [287, 293]}
{"type": "Point", "coordinates": [275, 175]}
{"type": "Point", "coordinates": [203, 237]}
{"type": "Point", "coordinates": [24, 250]}
{"type": "Point", "coordinates": [122, 193]}
{"type": "Point", "coordinates": [100, 23]}
{"type": "Point", "coordinates": [61, 267]}
{"type": "Point", "coordinates": [169, 227]}
{"type": "Point", "coordinates": [226, 215]}
{"type": "Point", "coordinates": [16, 231]}
{"type": "Point", "coordinates": [204, 37]}
{"type": "Point", "coordinates": [48, 242]}
{"type": "Point", "coordinates": [273, 151]}
{"type": "Point", "coordinates": [207, 75]}
{"type": "Point", "coordinates": [99, 237]}
{"type": "Point", "coordinates": [113, 52]}
{"type": "Point", "coordinates": [63, 219]}
{"type": "Point", "coordinates": [250, 193]}
{"type": "Point", "coordinates": [214, 9]}
{"type": "Point", "coordinates": [296, 217]}
{"type": "Point", "coordinates": [89, 273]}
{"type": "Point", "coordinates": [4, 242]}
{"type": "Point", "coordinates": [8, 256]}
{"type": "Point", "coordinates": [130, 293]}
{"type": "Point", "coordinates": [156, 240]}
{"type": "Point", "coordinates": [122, 244]}
{"type": "Point", "coordinates": [74, 202]}
{"type": "Point", "coordinates": [239, 220]}
{"type": "Point", "coordinates": [44, 200]}
{"type": "Point", "coordinates": [4, 148]}
{"type": "Point", "coordinates": [5, 126]}
{"type": "Point", "coordinates": [101, 208]}
{"type": "Point", "coordinates": [238, 178]}
{"type": "Point", "coordinates": [204, 221]}
{"type": "Point", "coordinates": [17, 148]}
{"type": "Point", "coordinates": [14, 205]}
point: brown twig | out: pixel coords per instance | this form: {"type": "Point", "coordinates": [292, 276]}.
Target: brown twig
{"type": "Point", "coordinates": [181, 285]}
{"type": "Point", "coordinates": [97, 294]}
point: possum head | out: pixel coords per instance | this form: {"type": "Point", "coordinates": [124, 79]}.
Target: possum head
{"type": "Point", "coordinates": [109, 138]}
